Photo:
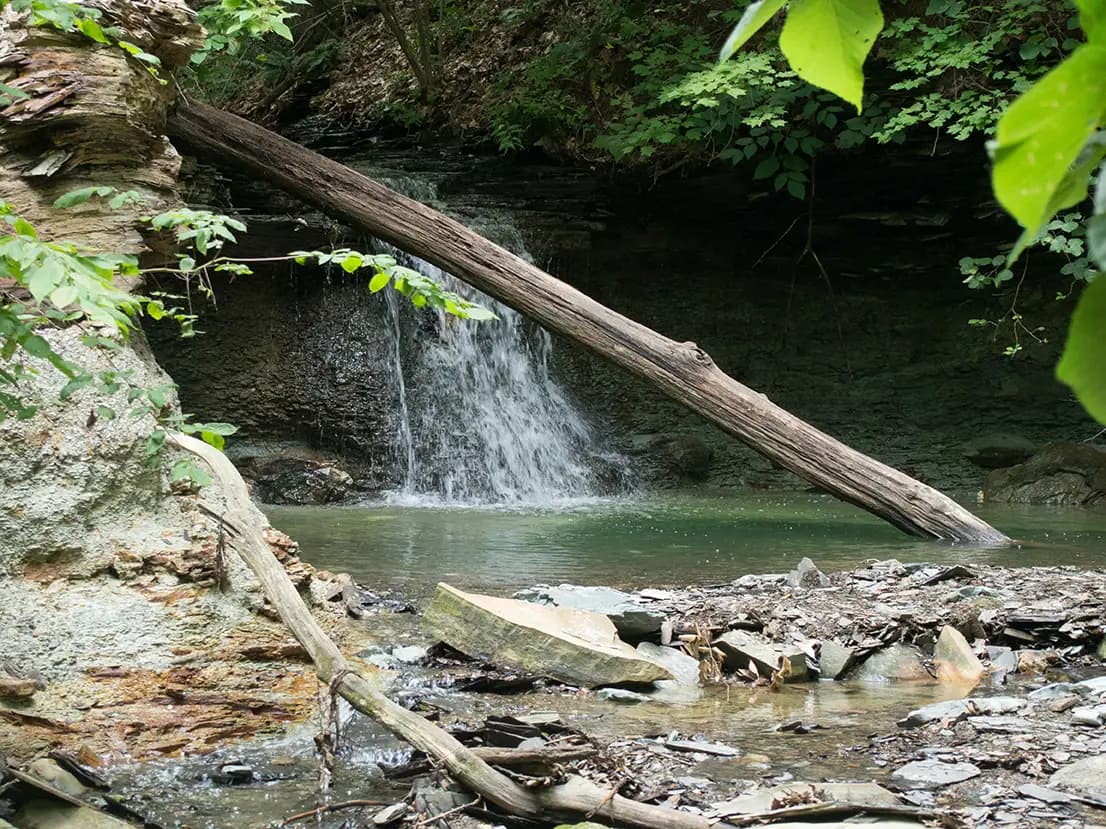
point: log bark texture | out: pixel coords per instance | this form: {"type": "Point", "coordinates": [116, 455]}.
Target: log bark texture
{"type": "Point", "coordinates": [569, 801]}
{"type": "Point", "coordinates": [683, 371]}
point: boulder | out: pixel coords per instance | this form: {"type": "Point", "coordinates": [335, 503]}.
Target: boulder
{"type": "Point", "coordinates": [684, 687]}
{"type": "Point", "coordinates": [667, 457]}
{"type": "Point", "coordinates": [741, 648]}
{"type": "Point", "coordinates": [565, 644]}
{"type": "Point", "coordinates": [835, 660]}
{"type": "Point", "coordinates": [633, 620]}
{"type": "Point", "coordinates": [999, 450]}
{"type": "Point", "coordinates": [1072, 474]}
{"type": "Point", "coordinates": [898, 662]}
{"type": "Point", "coordinates": [955, 660]}
{"type": "Point", "coordinates": [807, 575]}
{"type": "Point", "coordinates": [300, 481]}
{"type": "Point", "coordinates": [1086, 776]}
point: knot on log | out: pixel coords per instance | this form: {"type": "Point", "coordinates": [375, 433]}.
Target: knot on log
{"type": "Point", "coordinates": [695, 355]}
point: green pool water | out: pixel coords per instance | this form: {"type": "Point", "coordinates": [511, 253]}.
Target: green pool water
{"type": "Point", "coordinates": [663, 539]}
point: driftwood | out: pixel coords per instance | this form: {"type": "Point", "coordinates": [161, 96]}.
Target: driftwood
{"type": "Point", "coordinates": [683, 371]}
{"type": "Point", "coordinates": [569, 801]}
{"type": "Point", "coordinates": [508, 757]}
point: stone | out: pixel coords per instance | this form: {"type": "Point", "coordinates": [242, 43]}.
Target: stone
{"type": "Point", "coordinates": [410, 654]}
{"type": "Point", "coordinates": [896, 663]}
{"type": "Point", "coordinates": [390, 814]}
{"type": "Point", "coordinates": [741, 648]}
{"type": "Point", "coordinates": [1089, 715]}
{"type": "Point", "coordinates": [933, 774]}
{"type": "Point", "coordinates": [703, 747]}
{"type": "Point", "coordinates": [999, 450]}
{"type": "Point", "coordinates": [958, 709]}
{"type": "Point", "coordinates": [852, 794]}
{"type": "Point", "coordinates": [670, 457]}
{"type": "Point", "coordinates": [12, 687]}
{"type": "Point", "coordinates": [1100, 652]}
{"type": "Point", "coordinates": [50, 772]}
{"type": "Point", "coordinates": [1071, 474]}
{"type": "Point", "coordinates": [1086, 776]}
{"type": "Point", "coordinates": [302, 481]}
{"type": "Point", "coordinates": [622, 695]}
{"type": "Point", "coordinates": [633, 620]}
{"type": "Point", "coordinates": [1095, 685]}
{"type": "Point", "coordinates": [807, 575]}
{"type": "Point", "coordinates": [684, 688]}
{"type": "Point", "coordinates": [954, 658]}
{"type": "Point", "coordinates": [565, 644]}
{"type": "Point", "coordinates": [835, 660]}
{"type": "Point", "coordinates": [1043, 794]}
{"type": "Point", "coordinates": [1003, 660]}
{"type": "Point", "coordinates": [1000, 725]}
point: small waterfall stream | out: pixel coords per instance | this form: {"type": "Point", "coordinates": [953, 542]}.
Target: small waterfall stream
{"type": "Point", "coordinates": [481, 419]}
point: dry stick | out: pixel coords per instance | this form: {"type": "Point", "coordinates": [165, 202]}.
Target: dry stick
{"type": "Point", "coordinates": [333, 807]}
{"type": "Point", "coordinates": [449, 812]}
{"type": "Point", "coordinates": [569, 800]}
{"type": "Point", "coordinates": [683, 371]}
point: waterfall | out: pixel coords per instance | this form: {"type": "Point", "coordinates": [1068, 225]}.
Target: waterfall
{"type": "Point", "coordinates": [481, 417]}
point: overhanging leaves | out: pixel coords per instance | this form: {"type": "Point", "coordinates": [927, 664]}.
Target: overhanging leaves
{"type": "Point", "coordinates": [1083, 366]}
{"type": "Point", "coordinates": [827, 41]}
{"type": "Point", "coordinates": [1092, 17]}
{"type": "Point", "coordinates": [751, 22]}
{"type": "Point", "coordinates": [1042, 133]}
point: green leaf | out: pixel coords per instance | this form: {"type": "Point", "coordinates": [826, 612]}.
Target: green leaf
{"type": "Point", "coordinates": [1092, 17]}
{"type": "Point", "coordinates": [351, 262]}
{"type": "Point", "coordinates": [105, 412]}
{"type": "Point", "coordinates": [1042, 133]}
{"type": "Point", "coordinates": [81, 195]}
{"type": "Point", "coordinates": [379, 281]}
{"type": "Point", "coordinates": [75, 385]}
{"type": "Point", "coordinates": [90, 28]}
{"type": "Point", "coordinates": [827, 41]}
{"type": "Point", "coordinates": [1083, 365]}
{"type": "Point", "coordinates": [755, 16]}
{"type": "Point", "coordinates": [36, 346]}
{"type": "Point", "coordinates": [212, 439]}
{"type": "Point", "coordinates": [281, 29]}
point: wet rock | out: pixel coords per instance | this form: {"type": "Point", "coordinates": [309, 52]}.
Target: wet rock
{"type": "Point", "coordinates": [702, 747]}
{"type": "Point", "coordinates": [684, 688]}
{"type": "Point", "coordinates": [896, 663]}
{"type": "Point", "coordinates": [999, 450]}
{"type": "Point", "coordinates": [621, 695]}
{"type": "Point", "coordinates": [1003, 660]}
{"type": "Point", "coordinates": [807, 575]}
{"type": "Point", "coordinates": [50, 772]}
{"type": "Point", "coordinates": [669, 458]}
{"type": "Point", "coordinates": [233, 774]}
{"type": "Point", "coordinates": [300, 481]}
{"type": "Point", "coordinates": [1087, 776]}
{"type": "Point", "coordinates": [741, 648]}
{"type": "Point", "coordinates": [957, 709]}
{"type": "Point", "coordinates": [1043, 794]}
{"type": "Point", "coordinates": [633, 620]}
{"type": "Point", "coordinates": [410, 654]}
{"type": "Point", "coordinates": [568, 645]}
{"type": "Point", "coordinates": [835, 660]}
{"type": "Point", "coordinates": [1061, 473]}
{"type": "Point", "coordinates": [933, 774]}
{"type": "Point", "coordinates": [955, 660]}
{"type": "Point", "coordinates": [390, 814]}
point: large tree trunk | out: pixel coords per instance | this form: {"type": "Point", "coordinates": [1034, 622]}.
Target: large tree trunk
{"type": "Point", "coordinates": [683, 371]}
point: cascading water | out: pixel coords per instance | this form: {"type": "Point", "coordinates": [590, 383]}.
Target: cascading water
{"type": "Point", "coordinates": [481, 418]}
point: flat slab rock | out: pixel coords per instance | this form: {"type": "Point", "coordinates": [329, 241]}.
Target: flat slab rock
{"type": "Point", "coordinates": [1087, 776]}
{"type": "Point", "coordinates": [632, 619]}
{"type": "Point", "coordinates": [958, 709]}
{"type": "Point", "coordinates": [852, 794]}
{"type": "Point", "coordinates": [741, 648]}
{"type": "Point", "coordinates": [934, 774]}
{"type": "Point", "coordinates": [572, 646]}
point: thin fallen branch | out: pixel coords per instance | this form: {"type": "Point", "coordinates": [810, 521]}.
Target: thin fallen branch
{"type": "Point", "coordinates": [333, 807]}
{"type": "Point", "coordinates": [568, 801]}
{"type": "Point", "coordinates": [508, 757]}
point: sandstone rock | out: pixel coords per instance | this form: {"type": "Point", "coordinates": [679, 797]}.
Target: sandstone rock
{"type": "Point", "coordinates": [684, 687]}
{"type": "Point", "coordinates": [632, 619]}
{"type": "Point", "coordinates": [955, 660]}
{"type": "Point", "coordinates": [742, 647]}
{"type": "Point", "coordinates": [568, 645]}
{"type": "Point", "coordinates": [12, 687]}
{"type": "Point", "coordinates": [1061, 473]}
{"type": "Point", "coordinates": [999, 450]}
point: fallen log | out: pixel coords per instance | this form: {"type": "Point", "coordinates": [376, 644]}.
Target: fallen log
{"type": "Point", "coordinates": [683, 371]}
{"type": "Point", "coordinates": [572, 800]}
{"type": "Point", "coordinates": [546, 756]}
